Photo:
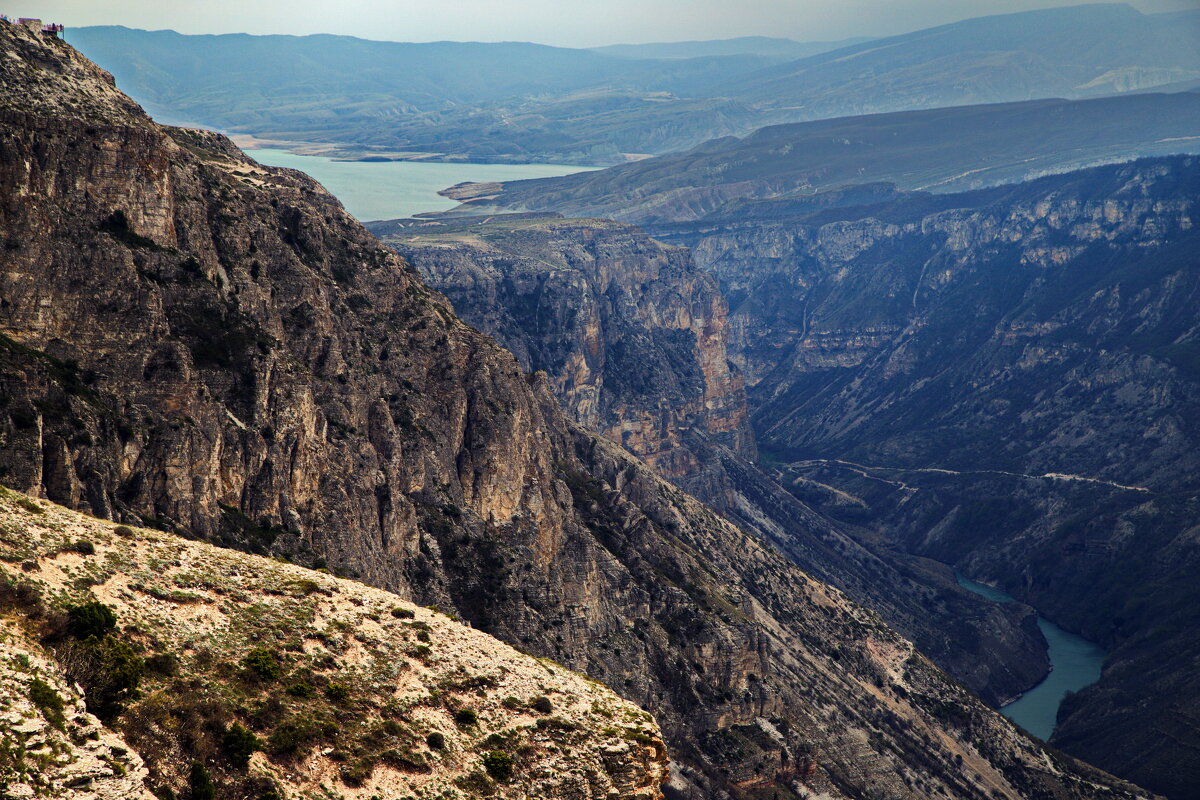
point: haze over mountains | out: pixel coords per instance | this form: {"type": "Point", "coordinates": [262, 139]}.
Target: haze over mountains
{"type": "Point", "coordinates": [523, 102]}
{"type": "Point", "coordinates": [743, 45]}
{"type": "Point", "coordinates": [938, 150]}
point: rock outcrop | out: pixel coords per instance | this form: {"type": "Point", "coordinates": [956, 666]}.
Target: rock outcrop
{"type": "Point", "coordinates": [631, 335]}
{"type": "Point", "coordinates": [198, 343]}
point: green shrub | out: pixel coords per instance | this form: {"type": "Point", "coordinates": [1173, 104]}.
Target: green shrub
{"type": "Point", "coordinates": [303, 690]}
{"type": "Point", "coordinates": [124, 531]}
{"type": "Point", "coordinates": [84, 548]}
{"type": "Point", "coordinates": [239, 744]}
{"type": "Point", "coordinates": [118, 673]}
{"type": "Point", "coordinates": [263, 664]}
{"type": "Point", "coordinates": [498, 764]}
{"type": "Point", "coordinates": [543, 705]}
{"type": "Point", "coordinates": [43, 696]}
{"type": "Point", "coordinates": [422, 651]}
{"type": "Point", "coordinates": [402, 613]}
{"type": "Point", "coordinates": [294, 736]}
{"type": "Point", "coordinates": [90, 620]}
{"type": "Point", "coordinates": [423, 636]}
{"type": "Point", "coordinates": [465, 717]}
{"type": "Point", "coordinates": [337, 693]}
{"type": "Point", "coordinates": [436, 741]}
{"type": "Point", "coordinates": [200, 783]}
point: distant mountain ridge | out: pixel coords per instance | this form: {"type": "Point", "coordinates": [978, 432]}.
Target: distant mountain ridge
{"type": "Point", "coordinates": [521, 102]}
{"type": "Point", "coordinates": [1074, 51]}
{"type": "Point", "coordinates": [943, 149]}
{"type": "Point", "coordinates": [742, 45]}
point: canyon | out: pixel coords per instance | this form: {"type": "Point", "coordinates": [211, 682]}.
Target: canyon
{"type": "Point", "coordinates": [199, 344]}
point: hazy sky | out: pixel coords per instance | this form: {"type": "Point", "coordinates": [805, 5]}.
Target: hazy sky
{"type": "Point", "coordinates": [571, 23]}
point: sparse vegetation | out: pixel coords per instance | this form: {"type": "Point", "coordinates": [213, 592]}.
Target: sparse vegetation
{"type": "Point", "coordinates": [199, 730]}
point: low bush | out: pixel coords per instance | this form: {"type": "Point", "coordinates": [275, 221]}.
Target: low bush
{"type": "Point", "coordinates": [499, 765]}
{"type": "Point", "coordinates": [263, 664]}
{"type": "Point", "coordinates": [200, 783]}
{"type": "Point", "coordinates": [303, 690]}
{"type": "Point", "coordinates": [465, 717]}
{"type": "Point", "coordinates": [90, 620]}
{"type": "Point", "coordinates": [357, 772]}
{"type": "Point", "coordinates": [239, 744]}
{"type": "Point", "coordinates": [338, 693]}
{"type": "Point", "coordinates": [108, 669]}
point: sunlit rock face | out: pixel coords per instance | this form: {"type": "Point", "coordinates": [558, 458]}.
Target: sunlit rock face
{"type": "Point", "coordinates": [630, 333]}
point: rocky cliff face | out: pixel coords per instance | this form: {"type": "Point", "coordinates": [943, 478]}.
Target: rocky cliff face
{"type": "Point", "coordinates": [201, 344]}
{"type": "Point", "coordinates": [1004, 380]}
{"type": "Point", "coordinates": [633, 339]}
{"type": "Point", "coordinates": [631, 334]}
{"type": "Point", "coordinates": [344, 688]}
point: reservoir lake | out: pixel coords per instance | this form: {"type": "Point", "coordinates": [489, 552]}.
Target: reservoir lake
{"type": "Point", "coordinates": [373, 190]}
{"type": "Point", "coordinates": [1074, 663]}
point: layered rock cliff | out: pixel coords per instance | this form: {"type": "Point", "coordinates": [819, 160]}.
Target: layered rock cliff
{"type": "Point", "coordinates": [334, 687]}
{"type": "Point", "coordinates": [1005, 380]}
{"type": "Point", "coordinates": [205, 345]}
{"type": "Point", "coordinates": [633, 337]}
{"type": "Point", "coordinates": [631, 334]}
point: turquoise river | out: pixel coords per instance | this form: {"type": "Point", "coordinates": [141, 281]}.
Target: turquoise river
{"type": "Point", "coordinates": [1074, 663]}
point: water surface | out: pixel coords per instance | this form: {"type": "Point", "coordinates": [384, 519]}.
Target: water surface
{"type": "Point", "coordinates": [1074, 663]}
{"type": "Point", "coordinates": [391, 189]}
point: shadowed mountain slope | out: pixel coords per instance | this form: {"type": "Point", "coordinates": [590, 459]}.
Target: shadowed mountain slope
{"type": "Point", "coordinates": [1004, 380]}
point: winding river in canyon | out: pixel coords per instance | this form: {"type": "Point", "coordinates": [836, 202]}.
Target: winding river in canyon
{"type": "Point", "coordinates": [1074, 663]}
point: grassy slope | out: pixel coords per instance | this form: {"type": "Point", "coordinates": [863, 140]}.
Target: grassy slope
{"type": "Point", "coordinates": [365, 679]}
